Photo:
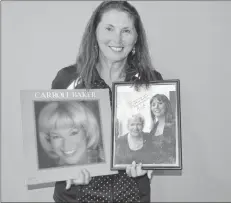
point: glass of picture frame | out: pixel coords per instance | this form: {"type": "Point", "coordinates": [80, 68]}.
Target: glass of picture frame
{"type": "Point", "coordinates": [147, 125]}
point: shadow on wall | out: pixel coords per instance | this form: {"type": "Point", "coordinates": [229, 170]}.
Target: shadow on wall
{"type": "Point", "coordinates": [40, 186]}
{"type": "Point", "coordinates": [161, 172]}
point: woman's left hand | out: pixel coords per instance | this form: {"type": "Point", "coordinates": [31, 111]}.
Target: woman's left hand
{"type": "Point", "coordinates": [135, 170]}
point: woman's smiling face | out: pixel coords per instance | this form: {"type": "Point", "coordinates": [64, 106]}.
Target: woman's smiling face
{"type": "Point", "coordinates": [116, 35]}
{"type": "Point", "coordinates": [69, 144]}
{"type": "Point", "coordinates": [158, 108]}
{"type": "Point", "coordinates": [135, 127]}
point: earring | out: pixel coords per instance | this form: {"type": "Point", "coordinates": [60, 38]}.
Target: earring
{"type": "Point", "coordinates": [96, 50]}
{"type": "Point", "coordinates": [133, 51]}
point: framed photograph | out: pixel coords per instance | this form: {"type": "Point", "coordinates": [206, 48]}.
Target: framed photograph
{"type": "Point", "coordinates": [65, 131]}
{"type": "Point", "coordinates": [147, 125]}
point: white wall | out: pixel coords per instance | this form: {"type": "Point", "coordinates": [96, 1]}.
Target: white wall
{"type": "Point", "coordinates": [188, 40]}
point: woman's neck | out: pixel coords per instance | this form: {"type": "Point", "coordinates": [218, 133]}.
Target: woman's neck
{"type": "Point", "coordinates": [135, 143]}
{"type": "Point", "coordinates": [111, 71]}
{"type": "Point", "coordinates": [136, 138]}
{"type": "Point", "coordinates": [160, 127]}
{"type": "Point", "coordinates": [161, 120]}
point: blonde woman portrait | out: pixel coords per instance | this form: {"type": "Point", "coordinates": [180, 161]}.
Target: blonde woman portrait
{"type": "Point", "coordinates": [134, 145]}
{"type": "Point", "coordinates": [69, 134]}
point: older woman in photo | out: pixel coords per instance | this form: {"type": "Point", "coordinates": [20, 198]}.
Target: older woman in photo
{"type": "Point", "coordinates": [163, 130]}
{"type": "Point", "coordinates": [113, 48]}
{"type": "Point", "coordinates": [69, 133]}
{"type": "Point", "coordinates": [133, 146]}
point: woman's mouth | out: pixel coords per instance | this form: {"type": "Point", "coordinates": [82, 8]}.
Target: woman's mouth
{"type": "Point", "coordinates": [70, 152]}
{"type": "Point", "coordinates": [157, 112]}
{"type": "Point", "coordinates": [117, 49]}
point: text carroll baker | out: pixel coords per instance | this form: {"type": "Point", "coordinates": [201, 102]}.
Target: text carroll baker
{"type": "Point", "coordinates": [66, 94]}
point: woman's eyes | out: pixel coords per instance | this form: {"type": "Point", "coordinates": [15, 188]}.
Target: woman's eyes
{"type": "Point", "coordinates": [109, 28]}
{"type": "Point", "coordinates": [155, 104]}
{"type": "Point", "coordinates": [126, 31]}
{"type": "Point", "coordinates": [123, 31]}
{"type": "Point", "coordinates": [74, 133]}
{"type": "Point", "coordinates": [133, 124]}
{"type": "Point", "coordinates": [55, 137]}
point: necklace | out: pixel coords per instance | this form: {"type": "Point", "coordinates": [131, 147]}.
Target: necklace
{"type": "Point", "coordinates": [135, 144]}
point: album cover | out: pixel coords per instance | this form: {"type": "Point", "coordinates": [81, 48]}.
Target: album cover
{"type": "Point", "coordinates": [65, 131]}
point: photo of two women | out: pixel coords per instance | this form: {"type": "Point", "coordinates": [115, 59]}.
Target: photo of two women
{"type": "Point", "coordinates": [147, 134]}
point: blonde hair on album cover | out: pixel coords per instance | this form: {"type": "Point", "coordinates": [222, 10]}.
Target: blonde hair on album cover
{"type": "Point", "coordinates": [64, 114]}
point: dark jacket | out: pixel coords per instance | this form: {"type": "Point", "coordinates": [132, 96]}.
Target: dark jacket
{"type": "Point", "coordinates": [109, 188]}
{"type": "Point", "coordinates": [164, 146]}
{"type": "Point", "coordinates": [124, 155]}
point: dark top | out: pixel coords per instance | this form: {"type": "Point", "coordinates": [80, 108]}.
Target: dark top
{"type": "Point", "coordinates": [124, 155]}
{"type": "Point", "coordinates": [109, 188]}
{"type": "Point", "coordinates": [164, 146]}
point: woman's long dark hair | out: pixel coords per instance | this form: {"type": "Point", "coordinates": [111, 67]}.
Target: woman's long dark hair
{"type": "Point", "coordinates": [88, 52]}
{"type": "Point", "coordinates": [169, 116]}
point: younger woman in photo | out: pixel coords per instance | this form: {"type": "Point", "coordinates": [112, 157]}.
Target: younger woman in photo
{"type": "Point", "coordinates": [163, 130]}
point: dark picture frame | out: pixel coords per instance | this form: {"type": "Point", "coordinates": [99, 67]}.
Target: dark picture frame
{"type": "Point", "coordinates": [146, 125]}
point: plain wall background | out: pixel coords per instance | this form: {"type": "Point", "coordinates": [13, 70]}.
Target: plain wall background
{"type": "Point", "coordinates": [188, 40]}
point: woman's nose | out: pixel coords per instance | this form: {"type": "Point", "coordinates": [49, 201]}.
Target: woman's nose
{"type": "Point", "coordinates": [156, 106]}
{"type": "Point", "coordinates": [67, 145]}
{"type": "Point", "coordinates": [117, 38]}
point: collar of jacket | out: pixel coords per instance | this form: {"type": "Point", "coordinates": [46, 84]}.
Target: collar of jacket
{"type": "Point", "coordinates": [98, 82]}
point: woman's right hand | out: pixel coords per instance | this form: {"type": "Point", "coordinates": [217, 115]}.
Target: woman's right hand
{"type": "Point", "coordinates": [83, 178]}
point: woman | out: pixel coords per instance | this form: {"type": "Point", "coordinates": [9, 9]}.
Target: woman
{"type": "Point", "coordinates": [69, 133]}
{"type": "Point", "coordinates": [163, 130]}
{"type": "Point", "coordinates": [113, 48]}
{"type": "Point", "coordinates": [134, 146]}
